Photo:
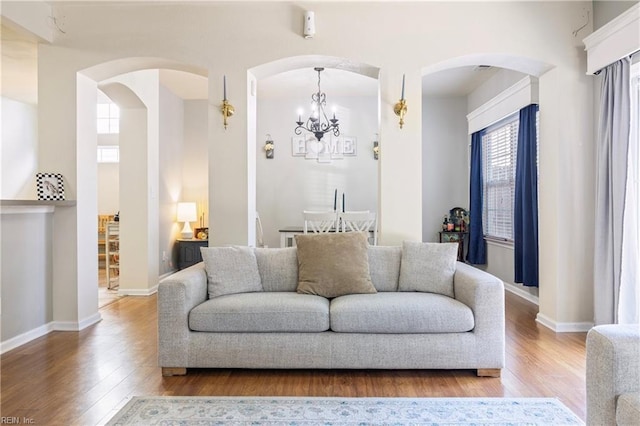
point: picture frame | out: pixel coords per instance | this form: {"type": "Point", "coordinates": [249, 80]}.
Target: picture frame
{"type": "Point", "coordinates": [50, 186]}
{"type": "Point", "coordinates": [349, 146]}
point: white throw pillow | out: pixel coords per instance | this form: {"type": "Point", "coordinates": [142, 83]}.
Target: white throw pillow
{"type": "Point", "coordinates": [428, 267]}
{"type": "Point", "coordinates": [231, 270]}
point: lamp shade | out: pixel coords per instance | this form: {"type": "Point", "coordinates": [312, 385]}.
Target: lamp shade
{"type": "Point", "coordinates": [187, 212]}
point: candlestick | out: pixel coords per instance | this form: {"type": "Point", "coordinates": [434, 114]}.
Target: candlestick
{"type": "Point", "coordinates": [224, 85]}
{"type": "Point", "coordinates": [402, 97]}
{"type": "Point", "coordinates": [343, 202]}
{"type": "Point", "coordinates": [335, 200]}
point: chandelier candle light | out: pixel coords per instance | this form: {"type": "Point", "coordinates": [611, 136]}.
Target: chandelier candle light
{"type": "Point", "coordinates": [318, 123]}
{"type": "Point", "coordinates": [400, 108]}
{"type": "Point", "coordinates": [227, 109]}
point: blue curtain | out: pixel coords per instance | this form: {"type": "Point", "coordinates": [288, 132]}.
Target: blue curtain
{"type": "Point", "coordinates": [525, 214]}
{"type": "Point", "coordinates": [477, 253]}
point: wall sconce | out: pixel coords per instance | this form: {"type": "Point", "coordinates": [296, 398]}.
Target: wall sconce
{"type": "Point", "coordinates": [376, 150]}
{"type": "Point", "coordinates": [186, 213]}
{"type": "Point", "coordinates": [268, 147]}
{"type": "Point", "coordinates": [227, 109]}
{"type": "Point", "coordinates": [400, 108]}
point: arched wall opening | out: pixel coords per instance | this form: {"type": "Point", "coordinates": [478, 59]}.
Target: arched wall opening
{"type": "Point", "coordinates": [509, 83]}
{"type": "Point", "coordinates": [151, 170]}
{"type": "Point", "coordinates": [304, 174]}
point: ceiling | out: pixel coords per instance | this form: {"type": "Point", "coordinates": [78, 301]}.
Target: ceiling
{"type": "Point", "coordinates": [20, 77]}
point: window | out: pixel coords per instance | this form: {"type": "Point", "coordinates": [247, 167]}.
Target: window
{"type": "Point", "coordinates": [109, 154]}
{"type": "Point", "coordinates": [499, 147]}
{"type": "Point", "coordinates": [108, 115]}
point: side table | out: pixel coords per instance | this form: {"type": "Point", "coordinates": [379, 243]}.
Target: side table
{"type": "Point", "coordinates": [189, 252]}
{"type": "Point", "coordinates": [455, 237]}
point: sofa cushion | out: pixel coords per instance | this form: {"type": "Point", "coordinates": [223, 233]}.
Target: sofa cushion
{"type": "Point", "coordinates": [285, 312]}
{"type": "Point", "coordinates": [278, 268]}
{"type": "Point", "coordinates": [231, 270]}
{"type": "Point", "coordinates": [399, 313]}
{"type": "Point", "coordinates": [384, 267]}
{"type": "Point", "coordinates": [333, 264]}
{"type": "Point", "coordinates": [428, 267]}
{"type": "Point", "coordinates": [628, 409]}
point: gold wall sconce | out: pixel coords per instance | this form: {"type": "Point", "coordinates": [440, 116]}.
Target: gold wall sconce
{"type": "Point", "coordinates": [269, 147]}
{"type": "Point", "coordinates": [227, 109]}
{"type": "Point", "coordinates": [400, 108]}
{"type": "Point", "coordinates": [376, 150]}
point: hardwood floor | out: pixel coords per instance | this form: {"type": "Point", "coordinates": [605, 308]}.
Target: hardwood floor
{"type": "Point", "coordinates": [69, 378]}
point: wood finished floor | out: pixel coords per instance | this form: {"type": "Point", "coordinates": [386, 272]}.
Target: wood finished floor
{"type": "Point", "coordinates": [69, 378]}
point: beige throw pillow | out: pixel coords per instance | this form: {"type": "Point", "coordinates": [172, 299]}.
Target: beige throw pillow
{"type": "Point", "coordinates": [428, 267]}
{"type": "Point", "coordinates": [231, 270]}
{"type": "Point", "coordinates": [333, 264]}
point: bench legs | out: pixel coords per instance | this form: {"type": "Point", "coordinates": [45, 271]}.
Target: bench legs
{"type": "Point", "coordinates": [489, 372]}
{"type": "Point", "coordinates": [173, 371]}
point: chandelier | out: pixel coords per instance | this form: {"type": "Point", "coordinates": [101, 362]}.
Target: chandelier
{"type": "Point", "coordinates": [318, 123]}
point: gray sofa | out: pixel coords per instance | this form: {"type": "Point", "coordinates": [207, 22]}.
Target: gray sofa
{"type": "Point", "coordinates": [613, 375]}
{"type": "Point", "coordinates": [279, 328]}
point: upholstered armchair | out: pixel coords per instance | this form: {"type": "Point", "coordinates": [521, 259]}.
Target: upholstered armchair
{"type": "Point", "coordinates": [613, 375]}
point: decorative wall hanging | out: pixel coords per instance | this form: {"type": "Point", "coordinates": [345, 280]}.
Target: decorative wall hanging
{"type": "Point", "coordinates": [50, 186]}
{"type": "Point", "coordinates": [376, 150]}
{"type": "Point", "coordinates": [325, 150]}
{"type": "Point", "coordinates": [269, 147]}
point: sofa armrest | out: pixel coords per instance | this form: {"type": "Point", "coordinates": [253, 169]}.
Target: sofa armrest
{"type": "Point", "coordinates": [613, 368]}
{"type": "Point", "coordinates": [484, 294]}
{"type": "Point", "coordinates": [178, 294]}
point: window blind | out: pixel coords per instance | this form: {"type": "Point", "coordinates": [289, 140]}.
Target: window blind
{"type": "Point", "coordinates": [499, 147]}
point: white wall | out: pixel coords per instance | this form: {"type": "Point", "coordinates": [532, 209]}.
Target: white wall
{"type": "Point", "coordinates": [431, 33]}
{"type": "Point", "coordinates": [287, 185]}
{"type": "Point", "coordinates": [18, 155]}
{"type": "Point", "coordinates": [445, 161]}
{"type": "Point", "coordinates": [195, 167]}
{"type": "Point", "coordinates": [171, 163]}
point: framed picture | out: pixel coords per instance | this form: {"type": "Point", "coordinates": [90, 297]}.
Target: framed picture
{"type": "Point", "coordinates": [50, 186]}
{"type": "Point", "coordinates": [349, 147]}
{"type": "Point", "coordinates": [298, 146]}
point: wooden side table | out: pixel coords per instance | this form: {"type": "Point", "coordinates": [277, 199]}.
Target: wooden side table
{"type": "Point", "coordinates": [455, 237]}
{"type": "Point", "coordinates": [189, 252]}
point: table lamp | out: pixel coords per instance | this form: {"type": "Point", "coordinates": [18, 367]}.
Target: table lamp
{"type": "Point", "coordinates": [187, 213]}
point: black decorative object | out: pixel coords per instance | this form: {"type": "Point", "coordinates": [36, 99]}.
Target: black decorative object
{"type": "Point", "coordinates": [50, 186]}
{"type": "Point", "coordinates": [318, 123]}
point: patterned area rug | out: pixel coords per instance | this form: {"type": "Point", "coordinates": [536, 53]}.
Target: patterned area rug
{"type": "Point", "coordinates": [342, 411]}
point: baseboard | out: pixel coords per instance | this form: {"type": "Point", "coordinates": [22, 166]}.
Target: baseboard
{"type": "Point", "coordinates": [511, 288]}
{"type": "Point", "coordinates": [24, 338]}
{"type": "Point", "coordinates": [563, 327]}
{"type": "Point", "coordinates": [77, 325]}
{"type": "Point", "coordinates": [136, 292]}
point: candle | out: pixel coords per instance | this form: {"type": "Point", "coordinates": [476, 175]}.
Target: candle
{"type": "Point", "coordinates": [343, 202]}
{"type": "Point", "coordinates": [224, 85]}
{"type": "Point", "coordinates": [335, 200]}
{"type": "Point", "coordinates": [402, 87]}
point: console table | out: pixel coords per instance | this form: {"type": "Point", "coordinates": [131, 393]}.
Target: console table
{"type": "Point", "coordinates": [189, 252]}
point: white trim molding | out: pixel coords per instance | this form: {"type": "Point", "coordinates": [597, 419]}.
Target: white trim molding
{"type": "Point", "coordinates": [138, 292]}
{"type": "Point", "coordinates": [613, 41]}
{"type": "Point", "coordinates": [77, 325]}
{"type": "Point", "coordinates": [521, 94]}
{"type": "Point", "coordinates": [520, 292]}
{"type": "Point", "coordinates": [25, 338]}
{"type": "Point", "coordinates": [563, 327]}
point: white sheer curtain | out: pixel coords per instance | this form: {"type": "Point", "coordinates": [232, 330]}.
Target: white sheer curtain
{"type": "Point", "coordinates": [611, 189]}
{"type": "Point", "coordinates": [629, 304]}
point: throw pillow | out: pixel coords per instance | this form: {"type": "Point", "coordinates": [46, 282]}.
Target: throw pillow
{"type": "Point", "coordinates": [428, 267]}
{"type": "Point", "coordinates": [278, 268]}
{"type": "Point", "coordinates": [333, 264]}
{"type": "Point", "coordinates": [231, 270]}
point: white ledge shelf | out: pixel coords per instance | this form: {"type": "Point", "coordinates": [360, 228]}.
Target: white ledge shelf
{"type": "Point", "coordinates": [32, 206]}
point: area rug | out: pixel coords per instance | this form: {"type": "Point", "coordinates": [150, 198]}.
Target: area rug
{"type": "Point", "coordinates": [292, 411]}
